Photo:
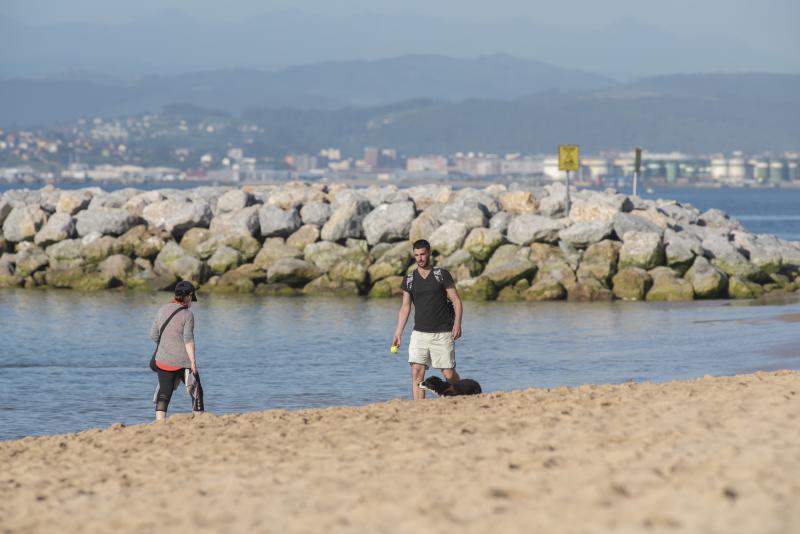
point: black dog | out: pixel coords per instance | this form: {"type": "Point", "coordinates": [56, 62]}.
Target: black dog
{"type": "Point", "coordinates": [465, 386]}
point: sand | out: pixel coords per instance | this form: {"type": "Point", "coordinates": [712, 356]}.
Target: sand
{"type": "Point", "coordinates": [710, 455]}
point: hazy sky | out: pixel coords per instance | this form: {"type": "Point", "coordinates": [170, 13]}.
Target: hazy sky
{"type": "Point", "coordinates": [762, 24]}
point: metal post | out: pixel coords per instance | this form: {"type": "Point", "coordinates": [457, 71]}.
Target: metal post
{"type": "Point", "coordinates": [635, 179]}
{"type": "Point", "coordinates": [567, 203]}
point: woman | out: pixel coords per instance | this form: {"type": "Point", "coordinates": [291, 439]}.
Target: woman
{"type": "Point", "coordinates": [175, 358]}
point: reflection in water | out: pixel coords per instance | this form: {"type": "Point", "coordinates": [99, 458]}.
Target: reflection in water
{"type": "Point", "coordinates": [72, 361]}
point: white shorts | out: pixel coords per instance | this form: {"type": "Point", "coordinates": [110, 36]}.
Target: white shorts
{"type": "Point", "coordinates": [432, 349]}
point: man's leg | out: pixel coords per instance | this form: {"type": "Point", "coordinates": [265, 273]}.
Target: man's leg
{"type": "Point", "coordinates": [451, 375]}
{"type": "Point", "coordinates": [417, 376]}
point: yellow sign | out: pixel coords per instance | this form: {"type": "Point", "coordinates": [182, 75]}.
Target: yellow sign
{"type": "Point", "coordinates": [569, 158]}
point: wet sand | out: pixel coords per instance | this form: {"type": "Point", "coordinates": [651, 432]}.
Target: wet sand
{"type": "Point", "coordinates": [709, 455]}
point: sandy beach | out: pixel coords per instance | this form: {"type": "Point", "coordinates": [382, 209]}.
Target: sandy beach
{"type": "Point", "coordinates": [718, 454]}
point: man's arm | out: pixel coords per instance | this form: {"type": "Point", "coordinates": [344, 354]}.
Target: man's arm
{"type": "Point", "coordinates": [402, 318]}
{"type": "Point", "coordinates": [452, 294]}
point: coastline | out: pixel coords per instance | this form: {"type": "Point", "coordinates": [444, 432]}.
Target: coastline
{"type": "Point", "coordinates": [717, 454]}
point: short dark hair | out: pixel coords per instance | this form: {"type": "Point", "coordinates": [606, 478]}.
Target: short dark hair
{"type": "Point", "coordinates": [421, 243]}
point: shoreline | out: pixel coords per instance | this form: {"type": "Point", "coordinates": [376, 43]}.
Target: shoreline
{"type": "Point", "coordinates": [715, 454]}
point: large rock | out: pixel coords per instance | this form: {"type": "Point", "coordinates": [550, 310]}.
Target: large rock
{"type": "Point", "coordinates": [426, 195]}
{"type": "Point", "coordinates": [142, 242]}
{"type": "Point", "coordinates": [598, 207]}
{"type": "Point", "coordinates": [173, 259]}
{"type": "Point", "coordinates": [742, 288]}
{"type": "Point", "coordinates": [244, 221]}
{"type": "Point", "coordinates": [275, 249]}
{"type": "Point", "coordinates": [546, 290]}
{"type": "Point", "coordinates": [118, 267]}
{"type": "Point", "coordinates": [500, 222]}
{"type": "Point", "coordinates": [479, 289]}
{"type": "Point", "coordinates": [137, 203]}
{"type": "Point", "coordinates": [316, 213]}
{"type": "Point", "coordinates": [389, 222]}
{"type": "Point", "coordinates": [30, 260]}
{"type": "Point", "coordinates": [386, 288]}
{"type": "Point", "coordinates": [641, 249]}
{"type": "Point", "coordinates": [715, 218]}
{"type": "Point", "coordinates": [582, 235]}
{"type": "Point", "coordinates": [552, 265]}
{"type": "Point", "coordinates": [224, 259]}
{"type": "Point", "coordinates": [599, 261]}
{"type": "Point", "coordinates": [706, 280]}
{"type": "Point", "coordinates": [518, 202]}
{"type": "Point", "coordinates": [71, 202]}
{"type": "Point", "coordinates": [106, 221]}
{"type": "Point", "coordinates": [392, 262]}
{"type": "Point", "coordinates": [552, 205]}
{"type": "Point", "coordinates": [681, 214]}
{"type": "Point", "coordinates": [324, 254]}
{"type": "Point", "coordinates": [293, 272]}
{"type": "Point", "coordinates": [526, 229]}
{"type": "Point", "coordinates": [461, 264]}
{"type": "Point", "coordinates": [277, 222]}
{"type": "Point", "coordinates": [59, 226]}
{"type": "Point", "coordinates": [681, 249]}
{"type": "Point", "coordinates": [177, 216]}
{"type": "Point", "coordinates": [482, 242]}
{"type": "Point", "coordinates": [423, 227]}
{"type": "Point", "coordinates": [247, 245]}
{"type": "Point", "coordinates": [589, 290]}
{"type": "Point", "coordinates": [630, 222]}
{"type": "Point", "coordinates": [763, 251]}
{"type": "Point", "coordinates": [448, 237]}
{"type": "Point", "coordinates": [668, 287]}
{"type": "Point", "coordinates": [468, 211]}
{"type": "Point", "coordinates": [304, 236]}
{"type": "Point", "coordinates": [346, 221]}
{"type": "Point", "coordinates": [234, 200]}
{"type": "Point", "coordinates": [66, 254]}
{"type": "Point", "coordinates": [726, 257]}
{"type": "Point", "coordinates": [193, 238]}
{"type": "Point", "coordinates": [5, 209]}
{"type": "Point", "coordinates": [509, 272]}
{"type": "Point", "coordinates": [349, 270]}
{"type": "Point", "coordinates": [631, 283]}
{"type": "Point", "coordinates": [23, 222]}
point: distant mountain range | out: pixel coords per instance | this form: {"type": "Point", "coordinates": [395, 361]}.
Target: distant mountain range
{"type": "Point", "coordinates": [323, 85]}
{"type": "Point", "coordinates": [172, 42]}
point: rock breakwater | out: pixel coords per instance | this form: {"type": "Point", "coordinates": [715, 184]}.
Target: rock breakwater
{"type": "Point", "coordinates": [508, 243]}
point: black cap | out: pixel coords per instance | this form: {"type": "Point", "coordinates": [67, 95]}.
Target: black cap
{"type": "Point", "coordinates": [184, 288]}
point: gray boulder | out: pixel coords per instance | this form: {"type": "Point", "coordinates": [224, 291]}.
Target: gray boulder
{"type": "Point", "coordinates": [106, 221]}
{"type": "Point", "coordinates": [274, 249]}
{"type": "Point", "coordinates": [448, 237]}
{"type": "Point", "coordinates": [174, 260]}
{"type": "Point", "coordinates": [482, 242]}
{"type": "Point", "coordinates": [582, 235]}
{"type": "Point", "coordinates": [715, 218]}
{"type": "Point", "coordinates": [113, 200]}
{"type": "Point", "coordinates": [726, 257]}
{"type": "Point", "coordinates": [423, 226]}
{"type": "Point", "coordinates": [66, 254]}
{"type": "Point", "coordinates": [324, 254]}
{"type": "Point", "coordinates": [293, 272]}
{"type": "Point", "coordinates": [389, 222]}
{"type": "Point", "coordinates": [552, 206]}
{"type": "Point", "coordinates": [29, 260]}
{"type": "Point", "coordinates": [243, 221]}
{"type": "Point", "coordinates": [305, 235]}
{"type": "Point", "coordinates": [468, 211]}
{"type": "Point", "coordinates": [764, 251]}
{"type": "Point", "coordinates": [668, 287]}
{"type": "Point", "coordinates": [346, 221]}
{"type": "Point", "coordinates": [631, 283]}
{"type": "Point", "coordinates": [23, 222]}
{"type": "Point", "coordinates": [500, 222]}
{"type": "Point", "coordinates": [707, 281]}
{"type": "Point", "coordinates": [71, 202]}
{"type": "Point", "coordinates": [118, 266]}
{"type": "Point", "coordinates": [641, 249]}
{"type": "Point", "coordinates": [529, 228]}
{"type": "Point", "coordinates": [5, 209]}
{"type": "Point", "coordinates": [234, 200]}
{"type": "Point", "coordinates": [276, 222]}
{"type": "Point", "coordinates": [177, 216]}
{"type": "Point", "coordinates": [59, 226]}
{"type": "Point", "coordinates": [224, 259]}
{"type": "Point", "coordinates": [426, 195]}
{"type": "Point", "coordinates": [681, 249]}
{"type": "Point", "coordinates": [316, 213]}
{"type": "Point", "coordinates": [629, 222]}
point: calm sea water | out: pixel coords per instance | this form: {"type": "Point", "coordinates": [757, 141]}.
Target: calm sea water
{"type": "Point", "coordinates": [71, 361]}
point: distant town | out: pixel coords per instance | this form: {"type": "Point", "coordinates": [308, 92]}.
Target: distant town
{"type": "Point", "coordinates": [158, 148]}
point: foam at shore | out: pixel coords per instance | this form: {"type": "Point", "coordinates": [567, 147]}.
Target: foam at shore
{"type": "Point", "coordinates": [717, 454]}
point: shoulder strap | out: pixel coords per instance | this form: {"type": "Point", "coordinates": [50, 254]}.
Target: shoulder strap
{"type": "Point", "coordinates": [164, 326]}
{"type": "Point", "coordinates": [409, 280]}
{"type": "Point", "coordinates": [437, 273]}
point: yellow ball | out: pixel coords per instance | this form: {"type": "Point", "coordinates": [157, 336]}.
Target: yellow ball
{"type": "Point", "coordinates": [393, 349]}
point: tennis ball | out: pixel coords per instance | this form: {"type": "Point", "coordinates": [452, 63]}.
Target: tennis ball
{"type": "Point", "coordinates": [393, 349]}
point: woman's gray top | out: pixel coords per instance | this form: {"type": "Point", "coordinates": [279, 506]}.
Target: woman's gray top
{"type": "Point", "coordinates": [179, 331]}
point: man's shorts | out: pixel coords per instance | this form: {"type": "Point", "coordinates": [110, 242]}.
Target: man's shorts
{"type": "Point", "coordinates": [432, 349]}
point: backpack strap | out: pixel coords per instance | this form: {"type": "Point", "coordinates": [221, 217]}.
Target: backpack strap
{"type": "Point", "coordinates": [437, 273]}
{"type": "Point", "coordinates": [409, 280]}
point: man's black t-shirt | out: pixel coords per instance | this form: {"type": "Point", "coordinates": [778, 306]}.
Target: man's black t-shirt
{"type": "Point", "coordinates": [433, 311]}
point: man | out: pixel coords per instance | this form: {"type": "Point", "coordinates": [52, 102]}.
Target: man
{"type": "Point", "coordinates": [437, 319]}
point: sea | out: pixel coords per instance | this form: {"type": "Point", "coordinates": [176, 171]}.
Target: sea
{"type": "Point", "coordinates": [71, 361]}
